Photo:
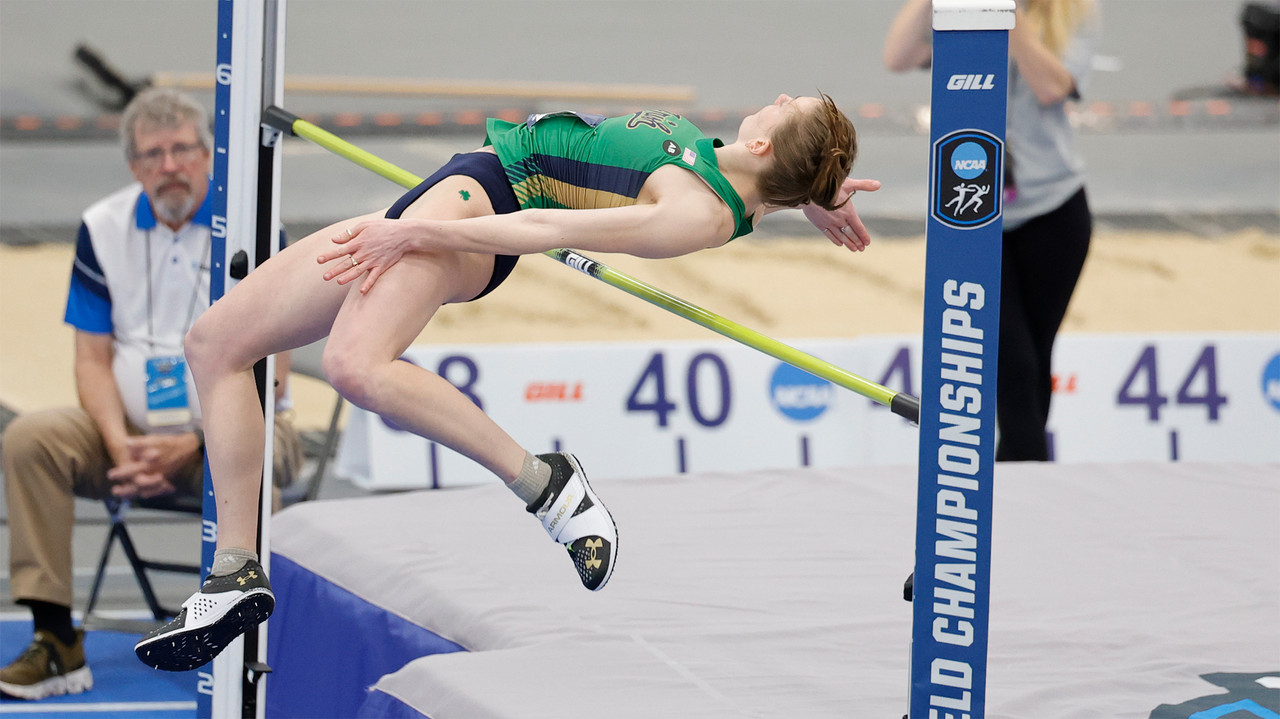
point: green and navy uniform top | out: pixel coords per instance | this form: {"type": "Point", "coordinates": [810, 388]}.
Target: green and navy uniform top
{"type": "Point", "coordinates": [578, 161]}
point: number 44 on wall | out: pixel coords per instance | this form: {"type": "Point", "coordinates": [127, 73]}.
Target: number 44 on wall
{"type": "Point", "coordinates": [1142, 386]}
{"type": "Point", "coordinates": [1199, 386]}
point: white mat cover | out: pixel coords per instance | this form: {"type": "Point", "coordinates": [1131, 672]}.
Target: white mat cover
{"type": "Point", "coordinates": [778, 594]}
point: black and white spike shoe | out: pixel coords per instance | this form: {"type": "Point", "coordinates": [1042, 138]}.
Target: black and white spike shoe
{"type": "Point", "coordinates": [223, 609]}
{"type": "Point", "coordinates": [574, 516]}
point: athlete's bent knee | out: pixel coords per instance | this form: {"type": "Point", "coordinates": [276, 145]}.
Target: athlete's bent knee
{"type": "Point", "coordinates": [208, 349]}
{"type": "Point", "coordinates": [197, 346]}
{"type": "Point", "coordinates": [350, 375]}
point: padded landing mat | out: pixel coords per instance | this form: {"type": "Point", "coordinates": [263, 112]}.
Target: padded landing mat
{"type": "Point", "coordinates": [1136, 590]}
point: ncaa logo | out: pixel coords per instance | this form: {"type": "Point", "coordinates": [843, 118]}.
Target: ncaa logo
{"type": "Point", "coordinates": [1271, 383]}
{"type": "Point", "coordinates": [968, 173]}
{"type": "Point", "coordinates": [798, 394]}
{"type": "Point", "coordinates": [969, 160]}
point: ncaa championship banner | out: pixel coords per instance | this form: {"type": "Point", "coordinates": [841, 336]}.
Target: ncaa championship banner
{"type": "Point", "coordinates": [958, 359]}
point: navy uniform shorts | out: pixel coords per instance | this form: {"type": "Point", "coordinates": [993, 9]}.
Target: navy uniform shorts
{"type": "Point", "coordinates": [485, 168]}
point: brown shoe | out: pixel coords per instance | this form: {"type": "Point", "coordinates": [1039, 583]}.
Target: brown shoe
{"type": "Point", "coordinates": [48, 668]}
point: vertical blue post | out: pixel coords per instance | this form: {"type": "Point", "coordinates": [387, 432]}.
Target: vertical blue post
{"type": "Point", "coordinates": [961, 330]}
{"type": "Point", "coordinates": [217, 287]}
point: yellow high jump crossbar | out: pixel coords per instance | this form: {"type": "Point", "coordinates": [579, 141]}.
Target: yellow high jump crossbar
{"type": "Point", "coordinates": [902, 404]}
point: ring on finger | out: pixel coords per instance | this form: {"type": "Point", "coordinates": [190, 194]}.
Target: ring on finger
{"type": "Point", "coordinates": [846, 228]}
{"type": "Point", "coordinates": [354, 263]}
{"type": "Point", "coordinates": [349, 235]}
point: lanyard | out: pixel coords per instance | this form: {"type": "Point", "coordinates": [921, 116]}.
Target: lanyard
{"type": "Point", "coordinates": [191, 306]}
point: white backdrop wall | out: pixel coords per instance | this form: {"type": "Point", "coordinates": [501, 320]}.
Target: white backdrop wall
{"type": "Point", "coordinates": [652, 409]}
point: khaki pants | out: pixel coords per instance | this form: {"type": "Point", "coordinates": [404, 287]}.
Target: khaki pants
{"type": "Point", "coordinates": [51, 457]}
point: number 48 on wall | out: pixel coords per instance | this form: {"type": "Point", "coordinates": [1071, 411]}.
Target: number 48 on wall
{"type": "Point", "coordinates": [1142, 386]}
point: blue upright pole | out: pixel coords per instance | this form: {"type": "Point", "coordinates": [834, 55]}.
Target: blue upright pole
{"type": "Point", "coordinates": [245, 224]}
{"type": "Point", "coordinates": [961, 329]}
{"type": "Point", "coordinates": [217, 287]}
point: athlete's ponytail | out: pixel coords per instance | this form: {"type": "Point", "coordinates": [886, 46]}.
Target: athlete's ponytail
{"type": "Point", "coordinates": [813, 153]}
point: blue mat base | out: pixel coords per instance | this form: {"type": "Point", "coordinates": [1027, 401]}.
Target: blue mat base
{"type": "Point", "coordinates": [122, 685]}
{"type": "Point", "coordinates": [381, 705]}
{"type": "Point", "coordinates": [328, 646]}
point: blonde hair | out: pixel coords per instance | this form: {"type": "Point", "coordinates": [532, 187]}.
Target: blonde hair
{"type": "Point", "coordinates": [1057, 20]}
{"type": "Point", "coordinates": [813, 153]}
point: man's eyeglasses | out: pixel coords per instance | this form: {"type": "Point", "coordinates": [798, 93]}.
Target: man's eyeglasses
{"type": "Point", "coordinates": [182, 153]}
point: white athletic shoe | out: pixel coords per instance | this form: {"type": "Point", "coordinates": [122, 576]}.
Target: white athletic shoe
{"type": "Point", "coordinates": [223, 609]}
{"type": "Point", "coordinates": [574, 516]}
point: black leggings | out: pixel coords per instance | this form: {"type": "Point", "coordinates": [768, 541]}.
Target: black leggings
{"type": "Point", "coordinates": [1041, 264]}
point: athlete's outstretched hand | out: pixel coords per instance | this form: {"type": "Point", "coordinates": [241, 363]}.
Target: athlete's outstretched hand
{"type": "Point", "coordinates": [368, 248]}
{"type": "Point", "coordinates": [843, 226]}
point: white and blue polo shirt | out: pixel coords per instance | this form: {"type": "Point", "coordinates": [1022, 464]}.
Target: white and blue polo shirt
{"type": "Point", "coordinates": [142, 283]}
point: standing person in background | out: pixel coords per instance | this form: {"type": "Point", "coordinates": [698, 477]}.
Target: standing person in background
{"type": "Point", "coordinates": [1047, 223]}
{"type": "Point", "coordinates": [139, 281]}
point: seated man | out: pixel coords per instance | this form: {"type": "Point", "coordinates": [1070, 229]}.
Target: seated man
{"type": "Point", "coordinates": [139, 280]}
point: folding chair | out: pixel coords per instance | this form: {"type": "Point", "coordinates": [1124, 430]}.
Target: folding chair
{"type": "Point", "coordinates": [119, 532]}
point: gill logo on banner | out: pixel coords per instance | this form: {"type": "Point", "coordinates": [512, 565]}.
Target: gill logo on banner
{"type": "Point", "coordinates": [969, 176]}
{"type": "Point", "coordinates": [971, 82]}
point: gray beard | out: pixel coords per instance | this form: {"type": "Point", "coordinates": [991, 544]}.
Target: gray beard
{"type": "Point", "coordinates": [174, 211]}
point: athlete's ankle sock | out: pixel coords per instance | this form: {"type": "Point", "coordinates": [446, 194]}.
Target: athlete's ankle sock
{"type": "Point", "coordinates": [533, 479]}
{"type": "Point", "coordinates": [53, 618]}
{"type": "Point", "coordinates": [230, 561]}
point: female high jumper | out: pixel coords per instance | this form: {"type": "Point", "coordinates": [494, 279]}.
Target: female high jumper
{"type": "Point", "coordinates": [649, 184]}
